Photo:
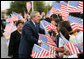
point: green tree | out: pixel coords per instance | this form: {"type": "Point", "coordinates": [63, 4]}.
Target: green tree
{"type": "Point", "coordinates": [20, 7]}
{"type": "Point", "coordinates": [47, 8]}
{"type": "Point", "coordinates": [39, 6]}
{"type": "Point", "coordinates": [58, 1]}
{"type": "Point", "coordinates": [17, 6]}
{"type": "Point", "coordinates": [66, 1]}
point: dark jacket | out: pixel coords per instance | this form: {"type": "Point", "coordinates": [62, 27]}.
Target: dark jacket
{"type": "Point", "coordinates": [28, 39]}
{"type": "Point", "coordinates": [14, 44]}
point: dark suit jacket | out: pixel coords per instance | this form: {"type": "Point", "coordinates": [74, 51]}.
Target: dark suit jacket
{"type": "Point", "coordinates": [29, 38]}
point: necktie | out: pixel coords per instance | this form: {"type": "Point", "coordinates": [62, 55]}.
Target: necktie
{"type": "Point", "coordinates": [35, 27]}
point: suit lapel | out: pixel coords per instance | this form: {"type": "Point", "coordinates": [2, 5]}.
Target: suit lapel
{"type": "Point", "coordinates": [33, 26]}
{"type": "Point", "coordinates": [37, 28]}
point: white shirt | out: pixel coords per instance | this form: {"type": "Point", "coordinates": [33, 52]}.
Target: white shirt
{"type": "Point", "coordinates": [73, 56]}
{"type": "Point", "coordinates": [33, 21]}
{"type": "Point", "coordinates": [70, 56]}
{"type": "Point", "coordinates": [79, 38]}
{"type": "Point", "coordinates": [61, 42]}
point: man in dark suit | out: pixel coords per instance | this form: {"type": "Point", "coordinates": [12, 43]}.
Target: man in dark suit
{"type": "Point", "coordinates": [30, 35]}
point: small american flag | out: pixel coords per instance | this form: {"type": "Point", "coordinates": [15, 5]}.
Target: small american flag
{"type": "Point", "coordinates": [79, 47]}
{"type": "Point", "coordinates": [45, 26]}
{"type": "Point", "coordinates": [76, 26]}
{"type": "Point", "coordinates": [48, 26]}
{"type": "Point", "coordinates": [55, 11]}
{"type": "Point", "coordinates": [82, 21]}
{"type": "Point", "coordinates": [75, 6]}
{"type": "Point", "coordinates": [55, 8]}
{"type": "Point", "coordinates": [28, 6]}
{"type": "Point", "coordinates": [14, 16]}
{"type": "Point", "coordinates": [48, 14]}
{"type": "Point", "coordinates": [13, 27]}
{"type": "Point", "coordinates": [8, 30]}
{"type": "Point", "coordinates": [25, 15]}
{"type": "Point", "coordinates": [80, 6]}
{"type": "Point", "coordinates": [51, 49]}
{"type": "Point", "coordinates": [39, 52]}
{"type": "Point", "coordinates": [76, 23]}
{"type": "Point", "coordinates": [20, 18]}
{"type": "Point", "coordinates": [8, 19]}
{"type": "Point", "coordinates": [56, 5]}
{"type": "Point", "coordinates": [73, 19]}
{"type": "Point", "coordinates": [50, 41]}
{"type": "Point", "coordinates": [64, 10]}
{"type": "Point", "coordinates": [72, 48]}
{"type": "Point", "coordinates": [47, 39]}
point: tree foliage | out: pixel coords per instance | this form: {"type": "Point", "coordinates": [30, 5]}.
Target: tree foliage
{"type": "Point", "coordinates": [39, 6]}
{"type": "Point", "coordinates": [64, 1]}
{"type": "Point", "coordinates": [20, 7]}
{"type": "Point", "coordinates": [17, 6]}
{"type": "Point", "coordinates": [47, 8]}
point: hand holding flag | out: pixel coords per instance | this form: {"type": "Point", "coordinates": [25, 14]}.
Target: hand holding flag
{"type": "Point", "coordinates": [72, 48]}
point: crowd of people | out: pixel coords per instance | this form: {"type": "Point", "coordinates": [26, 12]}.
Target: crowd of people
{"type": "Point", "coordinates": [23, 39]}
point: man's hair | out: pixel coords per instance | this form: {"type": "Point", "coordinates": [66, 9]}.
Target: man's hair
{"type": "Point", "coordinates": [33, 13]}
{"type": "Point", "coordinates": [18, 22]}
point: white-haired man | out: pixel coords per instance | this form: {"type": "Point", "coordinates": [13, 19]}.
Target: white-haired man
{"type": "Point", "coordinates": [30, 35]}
